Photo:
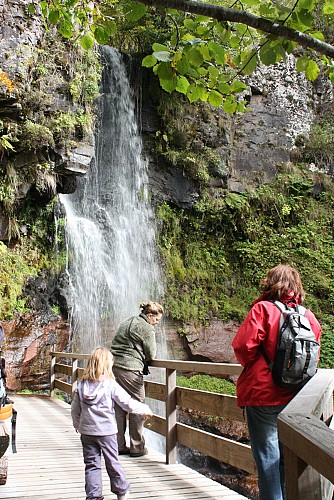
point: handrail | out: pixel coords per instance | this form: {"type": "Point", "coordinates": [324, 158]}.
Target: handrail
{"type": "Point", "coordinates": [308, 441]}
{"type": "Point", "coordinates": [303, 429]}
{"type": "Point", "coordinates": [227, 450]}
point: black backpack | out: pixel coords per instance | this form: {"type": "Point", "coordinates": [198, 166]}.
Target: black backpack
{"type": "Point", "coordinates": [297, 352]}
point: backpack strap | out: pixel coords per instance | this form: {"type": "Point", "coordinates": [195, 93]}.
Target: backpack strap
{"type": "Point", "coordinates": [282, 307]}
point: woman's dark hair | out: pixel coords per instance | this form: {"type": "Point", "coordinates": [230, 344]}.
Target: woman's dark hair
{"type": "Point", "coordinates": [280, 281]}
{"type": "Point", "coordinates": [151, 308]}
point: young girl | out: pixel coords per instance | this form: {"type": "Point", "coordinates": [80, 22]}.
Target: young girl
{"type": "Point", "coordinates": [93, 416]}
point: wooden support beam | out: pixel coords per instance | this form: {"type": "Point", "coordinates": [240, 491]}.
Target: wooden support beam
{"type": "Point", "coordinates": [171, 416]}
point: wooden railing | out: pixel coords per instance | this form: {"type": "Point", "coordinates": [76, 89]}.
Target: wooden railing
{"type": "Point", "coordinates": [304, 426]}
{"type": "Point", "coordinates": [229, 451]}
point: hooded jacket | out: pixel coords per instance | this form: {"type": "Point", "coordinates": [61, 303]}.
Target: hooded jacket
{"type": "Point", "coordinates": [92, 407]}
{"type": "Point", "coordinates": [255, 385]}
{"type": "Point", "coordinates": [134, 342]}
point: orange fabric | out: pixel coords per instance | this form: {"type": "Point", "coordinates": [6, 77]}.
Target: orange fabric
{"type": "Point", "coordinates": [6, 412]}
{"type": "Point", "coordinates": [255, 386]}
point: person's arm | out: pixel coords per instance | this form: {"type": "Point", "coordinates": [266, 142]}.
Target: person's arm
{"type": "Point", "coordinates": [149, 345]}
{"type": "Point", "coordinates": [127, 403]}
{"type": "Point", "coordinates": [75, 410]}
{"type": "Point", "coordinates": [250, 335]}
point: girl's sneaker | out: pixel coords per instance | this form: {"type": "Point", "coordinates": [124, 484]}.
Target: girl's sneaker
{"type": "Point", "coordinates": [123, 497]}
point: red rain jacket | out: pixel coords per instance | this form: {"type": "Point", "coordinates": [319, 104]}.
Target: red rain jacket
{"type": "Point", "coordinates": [255, 386]}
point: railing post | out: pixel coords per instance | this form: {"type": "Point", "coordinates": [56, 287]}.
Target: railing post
{"type": "Point", "coordinates": [170, 416]}
{"type": "Point", "coordinates": [292, 466]}
{"type": "Point", "coordinates": [52, 375]}
{"type": "Point", "coordinates": [74, 378]}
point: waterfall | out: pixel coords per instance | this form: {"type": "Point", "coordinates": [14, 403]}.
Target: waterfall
{"type": "Point", "coordinates": [110, 225]}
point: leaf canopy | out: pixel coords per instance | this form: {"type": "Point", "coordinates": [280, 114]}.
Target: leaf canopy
{"type": "Point", "coordinates": [202, 49]}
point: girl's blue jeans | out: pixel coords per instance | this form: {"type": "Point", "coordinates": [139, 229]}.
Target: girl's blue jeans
{"type": "Point", "coordinates": [267, 451]}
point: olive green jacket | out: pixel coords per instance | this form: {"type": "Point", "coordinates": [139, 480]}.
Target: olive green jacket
{"type": "Point", "coordinates": [141, 335]}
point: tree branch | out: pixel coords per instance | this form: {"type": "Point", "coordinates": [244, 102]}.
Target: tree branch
{"type": "Point", "coordinates": [240, 16]}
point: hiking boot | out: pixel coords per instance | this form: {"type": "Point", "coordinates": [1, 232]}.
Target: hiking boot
{"type": "Point", "coordinates": [126, 451]}
{"type": "Point", "coordinates": [140, 453]}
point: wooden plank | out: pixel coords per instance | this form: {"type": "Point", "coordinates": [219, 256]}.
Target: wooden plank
{"type": "Point", "coordinates": [223, 449]}
{"type": "Point", "coordinates": [49, 463]}
{"type": "Point", "coordinates": [156, 424]}
{"type": "Point", "coordinates": [313, 397]}
{"type": "Point", "coordinates": [199, 367]}
{"type": "Point", "coordinates": [310, 440]}
{"type": "Point", "coordinates": [155, 390]}
{"type": "Point", "coordinates": [63, 386]}
{"type": "Point", "coordinates": [210, 403]}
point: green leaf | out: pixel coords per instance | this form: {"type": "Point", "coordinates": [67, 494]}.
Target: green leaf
{"type": "Point", "coordinates": [149, 61]}
{"type": "Point", "coordinates": [195, 57]}
{"type": "Point", "coordinates": [306, 18]}
{"type": "Point", "coordinates": [31, 8]}
{"type": "Point", "coordinates": [306, 4]}
{"type": "Point", "coordinates": [329, 7]}
{"type": "Point", "coordinates": [164, 71]}
{"type": "Point", "coordinates": [53, 16]}
{"type": "Point", "coordinates": [224, 88]}
{"type": "Point", "coordinates": [249, 63]}
{"type": "Point", "coordinates": [318, 35]}
{"type": "Point", "coordinates": [86, 42]}
{"type": "Point", "coordinates": [157, 47]}
{"type": "Point", "coordinates": [183, 66]}
{"type": "Point", "coordinates": [267, 55]}
{"type": "Point", "coordinates": [238, 86]}
{"type": "Point", "coordinates": [65, 28]}
{"type": "Point", "coordinates": [217, 51]}
{"type": "Point", "coordinates": [312, 71]}
{"type": "Point", "coordinates": [101, 35]}
{"type": "Point", "coordinates": [162, 56]}
{"type": "Point", "coordinates": [213, 71]}
{"type": "Point", "coordinates": [168, 85]}
{"type": "Point", "coordinates": [230, 106]}
{"type": "Point", "coordinates": [250, 2]}
{"type": "Point", "coordinates": [182, 84]}
{"type": "Point", "coordinates": [215, 98]}
{"type": "Point", "coordinates": [135, 11]}
{"type": "Point", "coordinates": [190, 24]}
{"type": "Point", "coordinates": [302, 64]}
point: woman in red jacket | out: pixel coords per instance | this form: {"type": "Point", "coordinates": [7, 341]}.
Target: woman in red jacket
{"type": "Point", "coordinates": [256, 390]}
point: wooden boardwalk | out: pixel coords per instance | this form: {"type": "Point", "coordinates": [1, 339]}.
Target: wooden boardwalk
{"type": "Point", "coordinates": [48, 464]}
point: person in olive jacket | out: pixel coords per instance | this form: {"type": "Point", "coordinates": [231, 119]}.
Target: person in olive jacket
{"type": "Point", "coordinates": [133, 346]}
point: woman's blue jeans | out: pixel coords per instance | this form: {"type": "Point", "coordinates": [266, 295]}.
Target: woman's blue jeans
{"type": "Point", "coordinates": [267, 452]}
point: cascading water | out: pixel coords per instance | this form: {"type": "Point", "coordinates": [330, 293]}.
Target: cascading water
{"type": "Point", "coordinates": [110, 226]}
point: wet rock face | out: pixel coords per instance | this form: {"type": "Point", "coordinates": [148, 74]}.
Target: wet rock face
{"type": "Point", "coordinates": [212, 342]}
{"type": "Point", "coordinates": [21, 37]}
{"type": "Point", "coordinates": [29, 340]}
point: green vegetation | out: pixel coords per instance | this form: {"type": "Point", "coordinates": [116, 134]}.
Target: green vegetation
{"type": "Point", "coordinates": [201, 49]}
{"type": "Point", "coordinates": [208, 383]}
{"type": "Point", "coordinates": [216, 254]}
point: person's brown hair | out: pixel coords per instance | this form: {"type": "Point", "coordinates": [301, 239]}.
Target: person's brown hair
{"type": "Point", "coordinates": [100, 362]}
{"type": "Point", "coordinates": [151, 308]}
{"type": "Point", "coordinates": [281, 280]}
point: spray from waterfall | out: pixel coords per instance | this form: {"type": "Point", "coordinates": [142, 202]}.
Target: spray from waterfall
{"type": "Point", "coordinates": [110, 226]}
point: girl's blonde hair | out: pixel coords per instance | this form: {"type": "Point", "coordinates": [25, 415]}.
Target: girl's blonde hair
{"type": "Point", "coordinates": [100, 362]}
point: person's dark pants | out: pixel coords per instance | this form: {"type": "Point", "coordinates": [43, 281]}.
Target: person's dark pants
{"type": "Point", "coordinates": [133, 383]}
{"type": "Point", "coordinates": [92, 447]}
{"type": "Point", "coordinates": [266, 449]}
